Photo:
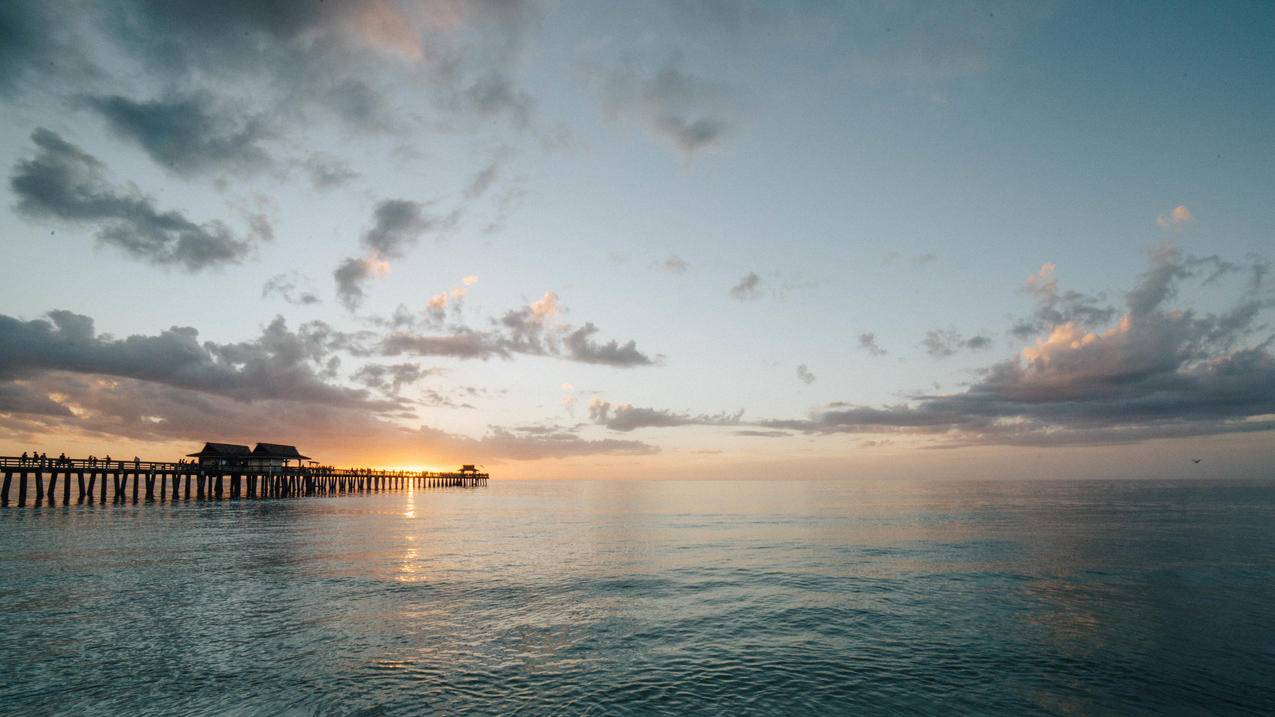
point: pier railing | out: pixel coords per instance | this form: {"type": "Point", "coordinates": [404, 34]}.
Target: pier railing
{"type": "Point", "coordinates": [166, 480]}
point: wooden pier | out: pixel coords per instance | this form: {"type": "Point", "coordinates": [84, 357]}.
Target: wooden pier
{"type": "Point", "coordinates": [54, 481]}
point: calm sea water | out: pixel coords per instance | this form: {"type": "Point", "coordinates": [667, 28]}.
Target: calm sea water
{"type": "Point", "coordinates": [652, 597]}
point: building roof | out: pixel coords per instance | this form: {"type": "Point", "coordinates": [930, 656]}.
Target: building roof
{"type": "Point", "coordinates": [221, 450]}
{"type": "Point", "coordinates": [277, 450]}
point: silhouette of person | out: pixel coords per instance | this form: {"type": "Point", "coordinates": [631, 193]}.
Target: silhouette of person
{"type": "Point", "coordinates": [23, 460]}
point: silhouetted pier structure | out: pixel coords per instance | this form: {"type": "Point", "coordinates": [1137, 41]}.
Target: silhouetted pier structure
{"type": "Point", "coordinates": [250, 478]}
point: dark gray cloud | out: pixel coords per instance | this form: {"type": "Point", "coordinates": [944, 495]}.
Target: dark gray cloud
{"type": "Point", "coordinates": [625, 417]}
{"type": "Point", "coordinates": [280, 364]}
{"type": "Point", "coordinates": [64, 183]}
{"type": "Point", "coordinates": [581, 347]}
{"type": "Point", "coordinates": [941, 343]}
{"type": "Point", "coordinates": [868, 342]}
{"type": "Point", "coordinates": [462, 343]}
{"type": "Point", "coordinates": [188, 134]}
{"type": "Point", "coordinates": [804, 374]}
{"type": "Point", "coordinates": [748, 288]}
{"type": "Point", "coordinates": [18, 397]}
{"type": "Point", "coordinates": [397, 224]}
{"type": "Point", "coordinates": [36, 47]}
{"type": "Point", "coordinates": [285, 286]}
{"type": "Point", "coordinates": [351, 277]}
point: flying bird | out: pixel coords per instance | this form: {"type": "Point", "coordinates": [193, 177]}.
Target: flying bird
{"type": "Point", "coordinates": [1196, 460]}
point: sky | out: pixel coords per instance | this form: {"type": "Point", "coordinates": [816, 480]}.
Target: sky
{"type": "Point", "coordinates": [641, 240]}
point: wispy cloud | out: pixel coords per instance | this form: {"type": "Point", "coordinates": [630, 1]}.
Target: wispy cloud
{"type": "Point", "coordinates": [625, 417]}
{"type": "Point", "coordinates": [1176, 219]}
{"type": "Point", "coordinates": [673, 104]}
{"type": "Point", "coordinates": [747, 288]}
{"type": "Point", "coordinates": [868, 342]}
{"type": "Point", "coordinates": [63, 183]}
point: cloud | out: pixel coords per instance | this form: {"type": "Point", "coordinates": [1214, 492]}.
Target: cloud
{"type": "Point", "coordinates": [1157, 372]}
{"type": "Point", "coordinates": [391, 378]}
{"type": "Point", "coordinates": [436, 306]}
{"type": "Point", "coordinates": [569, 398]}
{"type": "Point", "coordinates": [352, 276]}
{"type": "Point", "coordinates": [672, 104]}
{"type": "Point", "coordinates": [1055, 307]}
{"type": "Point", "coordinates": [463, 343]}
{"type": "Point", "coordinates": [187, 134]}
{"type": "Point", "coordinates": [868, 342]}
{"type": "Point", "coordinates": [1176, 220]}
{"type": "Point", "coordinates": [581, 347]}
{"type": "Point", "coordinates": [19, 397]}
{"type": "Point", "coordinates": [482, 181]}
{"type": "Point", "coordinates": [494, 95]}
{"type": "Point", "coordinates": [748, 288]}
{"type": "Point", "coordinates": [529, 330]}
{"type": "Point", "coordinates": [941, 343]}
{"type": "Point", "coordinates": [64, 183]}
{"type": "Point", "coordinates": [37, 47]}
{"type": "Point", "coordinates": [146, 411]}
{"type": "Point", "coordinates": [510, 444]}
{"type": "Point", "coordinates": [327, 172]}
{"type": "Point", "coordinates": [804, 375]}
{"type": "Point", "coordinates": [625, 417]}
{"type": "Point", "coordinates": [673, 264]}
{"type": "Point", "coordinates": [285, 287]}
{"type": "Point", "coordinates": [280, 364]}
{"type": "Point", "coordinates": [754, 433]}
{"type": "Point", "coordinates": [397, 225]}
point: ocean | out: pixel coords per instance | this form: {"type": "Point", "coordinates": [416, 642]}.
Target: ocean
{"type": "Point", "coordinates": [663, 597]}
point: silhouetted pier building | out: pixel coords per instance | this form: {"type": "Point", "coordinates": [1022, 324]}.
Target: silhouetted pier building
{"type": "Point", "coordinates": [233, 455]}
{"type": "Point", "coordinates": [220, 470]}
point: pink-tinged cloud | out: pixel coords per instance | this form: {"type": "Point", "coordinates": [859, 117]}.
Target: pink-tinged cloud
{"type": "Point", "coordinates": [1175, 220]}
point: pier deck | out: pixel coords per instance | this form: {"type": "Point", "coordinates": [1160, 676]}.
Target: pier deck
{"type": "Point", "coordinates": [51, 481]}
